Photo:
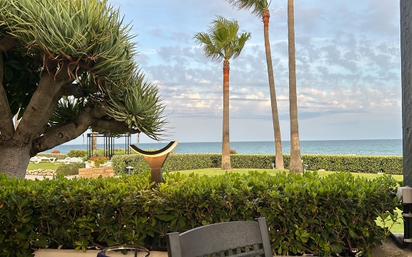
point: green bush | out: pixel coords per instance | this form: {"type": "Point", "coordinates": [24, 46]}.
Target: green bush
{"type": "Point", "coordinates": [69, 169]}
{"type": "Point", "coordinates": [365, 164]}
{"type": "Point", "coordinates": [174, 162]}
{"type": "Point", "coordinates": [305, 214]}
{"type": "Point", "coordinates": [77, 153]}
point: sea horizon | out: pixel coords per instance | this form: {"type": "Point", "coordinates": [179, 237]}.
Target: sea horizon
{"type": "Point", "coordinates": [369, 147]}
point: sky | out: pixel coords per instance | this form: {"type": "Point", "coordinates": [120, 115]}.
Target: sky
{"type": "Point", "coordinates": [348, 69]}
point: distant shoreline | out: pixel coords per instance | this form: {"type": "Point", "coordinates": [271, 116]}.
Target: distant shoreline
{"type": "Point", "coordinates": [368, 147]}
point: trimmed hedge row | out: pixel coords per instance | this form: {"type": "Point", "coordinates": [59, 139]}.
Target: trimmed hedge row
{"type": "Point", "coordinates": [69, 169]}
{"type": "Point", "coordinates": [365, 164]}
{"type": "Point", "coordinates": [300, 210]}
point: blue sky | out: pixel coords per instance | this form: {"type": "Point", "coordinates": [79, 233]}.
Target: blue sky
{"type": "Point", "coordinates": [348, 68]}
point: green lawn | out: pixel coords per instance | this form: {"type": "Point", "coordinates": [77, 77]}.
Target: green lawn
{"type": "Point", "coordinates": [217, 171]}
{"type": "Point", "coordinates": [44, 166]}
{"type": "Point", "coordinates": [396, 227]}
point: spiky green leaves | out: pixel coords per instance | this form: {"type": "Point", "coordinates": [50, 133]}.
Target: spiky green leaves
{"type": "Point", "coordinates": [86, 42]}
{"type": "Point", "coordinates": [85, 34]}
{"type": "Point", "coordinates": [223, 42]}
{"type": "Point", "coordinates": [138, 106]}
{"type": "Point", "coordinates": [258, 7]}
{"type": "Point", "coordinates": [67, 110]}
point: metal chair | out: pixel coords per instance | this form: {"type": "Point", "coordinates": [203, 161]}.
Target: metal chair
{"type": "Point", "coordinates": [137, 250]}
{"type": "Point", "coordinates": [237, 238]}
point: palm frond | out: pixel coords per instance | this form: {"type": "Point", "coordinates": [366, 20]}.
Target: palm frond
{"type": "Point", "coordinates": [256, 6]}
{"type": "Point", "coordinates": [244, 37]}
{"type": "Point", "coordinates": [209, 47]}
{"type": "Point", "coordinates": [222, 41]}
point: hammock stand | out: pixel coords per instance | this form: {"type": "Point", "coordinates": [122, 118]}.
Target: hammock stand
{"type": "Point", "coordinates": [156, 159]}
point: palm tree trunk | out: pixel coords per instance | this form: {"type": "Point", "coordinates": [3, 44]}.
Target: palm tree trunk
{"type": "Point", "coordinates": [295, 157]}
{"type": "Point", "coordinates": [406, 46]}
{"type": "Point", "coordinates": [273, 101]}
{"type": "Point", "coordinates": [226, 141]}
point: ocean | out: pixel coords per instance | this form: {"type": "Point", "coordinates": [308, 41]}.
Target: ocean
{"type": "Point", "coordinates": [382, 147]}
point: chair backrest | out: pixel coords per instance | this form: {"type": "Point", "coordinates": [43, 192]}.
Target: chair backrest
{"type": "Point", "coordinates": [237, 238]}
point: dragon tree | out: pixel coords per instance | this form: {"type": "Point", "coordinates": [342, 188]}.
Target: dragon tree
{"type": "Point", "coordinates": [67, 66]}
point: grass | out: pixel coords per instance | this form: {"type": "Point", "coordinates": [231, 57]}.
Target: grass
{"type": "Point", "coordinates": [395, 227]}
{"type": "Point", "coordinates": [44, 166]}
{"type": "Point", "coordinates": [217, 171]}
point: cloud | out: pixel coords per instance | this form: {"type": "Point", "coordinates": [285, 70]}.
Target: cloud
{"type": "Point", "coordinates": [348, 61]}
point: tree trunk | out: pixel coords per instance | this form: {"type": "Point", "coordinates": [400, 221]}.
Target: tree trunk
{"type": "Point", "coordinates": [273, 101]}
{"type": "Point", "coordinates": [14, 160]}
{"type": "Point", "coordinates": [6, 124]}
{"type": "Point", "coordinates": [295, 157]}
{"type": "Point", "coordinates": [226, 141]}
{"type": "Point", "coordinates": [406, 56]}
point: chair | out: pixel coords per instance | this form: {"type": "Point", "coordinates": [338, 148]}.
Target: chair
{"type": "Point", "coordinates": [237, 238]}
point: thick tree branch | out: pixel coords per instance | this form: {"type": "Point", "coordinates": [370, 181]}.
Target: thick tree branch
{"type": "Point", "coordinates": [64, 133]}
{"type": "Point", "coordinates": [6, 119]}
{"type": "Point", "coordinates": [40, 108]}
{"type": "Point", "coordinates": [7, 43]}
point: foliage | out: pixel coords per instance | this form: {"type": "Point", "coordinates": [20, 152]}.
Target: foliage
{"type": "Point", "coordinates": [66, 110]}
{"type": "Point", "coordinates": [256, 6]}
{"type": "Point", "coordinates": [128, 210]}
{"type": "Point", "coordinates": [77, 153]}
{"type": "Point", "coordinates": [86, 46]}
{"type": "Point", "coordinates": [44, 166]}
{"type": "Point", "coordinates": [98, 160]}
{"type": "Point", "coordinates": [223, 41]}
{"type": "Point", "coordinates": [69, 169]}
{"type": "Point", "coordinates": [138, 107]}
{"type": "Point", "coordinates": [367, 164]}
{"type": "Point", "coordinates": [363, 164]}
{"type": "Point", "coordinates": [74, 31]}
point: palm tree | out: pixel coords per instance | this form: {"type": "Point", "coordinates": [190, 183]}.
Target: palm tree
{"type": "Point", "coordinates": [295, 157]}
{"type": "Point", "coordinates": [223, 43]}
{"type": "Point", "coordinates": [261, 9]}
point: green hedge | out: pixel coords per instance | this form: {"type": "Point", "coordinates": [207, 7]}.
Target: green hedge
{"type": "Point", "coordinates": [365, 164]}
{"type": "Point", "coordinates": [306, 214]}
{"type": "Point", "coordinates": [69, 169]}
{"type": "Point", "coordinates": [77, 153]}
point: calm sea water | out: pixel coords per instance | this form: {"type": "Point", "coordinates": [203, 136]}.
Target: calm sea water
{"type": "Point", "coordinates": [386, 147]}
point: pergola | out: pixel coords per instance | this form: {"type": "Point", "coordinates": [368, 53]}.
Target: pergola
{"type": "Point", "coordinates": [109, 143]}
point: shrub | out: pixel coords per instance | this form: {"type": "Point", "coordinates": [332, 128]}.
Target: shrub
{"type": "Point", "coordinates": [99, 160]}
{"type": "Point", "coordinates": [100, 152]}
{"type": "Point", "coordinates": [77, 153]}
{"type": "Point", "coordinates": [366, 164]}
{"type": "Point", "coordinates": [69, 169]}
{"type": "Point", "coordinates": [174, 162]}
{"type": "Point", "coordinates": [300, 210]}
